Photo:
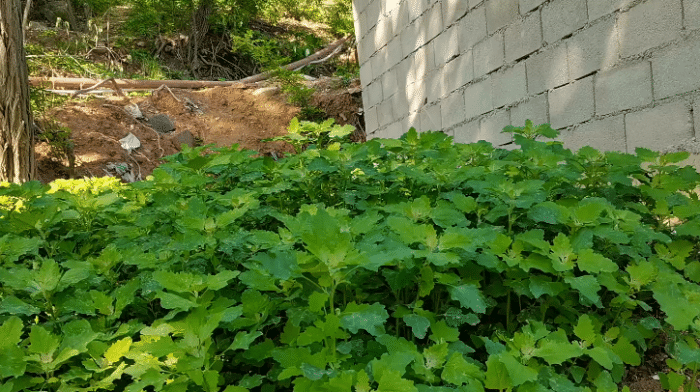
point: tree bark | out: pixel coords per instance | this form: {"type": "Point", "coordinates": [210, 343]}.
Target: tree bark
{"type": "Point", "coordinates": [17, 163]}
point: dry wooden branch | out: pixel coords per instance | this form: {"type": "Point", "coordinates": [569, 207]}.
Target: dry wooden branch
{"type": "Point", "coordinates": [78, 83]}
{"type": "Point", "coordinates": [75, 94]}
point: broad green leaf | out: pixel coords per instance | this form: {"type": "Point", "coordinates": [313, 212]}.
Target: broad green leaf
{"type": "Point", "coordinates": [519, 373]}
{"type": "Point", "coordinates": [540, 285]}
{"type": "Point", "coordinates": [588, 286]}
{"type": "Point", "coordinates": [42, 341]}
{"type": "Point", "coordinates": [174, 301]}
{"type": "Point", "coordinates": [497, 374]}
{"type": "Point", "coordinates": [590, 261]}
{"type": "Point", "coordinates": [555, 348]}
{"type": "Point", "coordinates": [117, 350]}
{"type": "Point", "coordinates": [441, 332]}
{"type": "Point", "coordinates": [600, 355]}
{"type": "Point", "coordinates": [14, 305]}
{"type": "Point", "coordinates": [548, 212]}
{"type": "Point", "coordinates": [680, 312]}
{"type": "Point", "coordinates": [562, 254]}
{"type": "Point", "coordinates": [419, 324]}
{"type": "Point", "coordinates": [391, 381]}
{"type": "Point", "coordinates": [584, 329]}
{"type": "Point", "coordinates": [641, 274]}
{"type": "Point", "coordinates": [436, 355]}
{"type": "Point", "coordinates": [12, 362]}
{"type": "Point", "coordinates": [10, 332]}
{"type": "Point", "coordinates": [317, 301]}
{"type": "Point", "coordinates": [48, 276]}
{"type": "Point", "coordinates": [362, 382]}
{"type": "Point", "coordinates": [77, 334]}
{"type": "Point", "coordinates": [470, 297]}
{"type": "Point", "coordinates": [371, 318]}
{"type": "Point", "coordinates": [243, 340]}
{"type": "Point", "coordinates": [605, 383]}
{"type": "Point", "coordinates": [458, 371]}
{"type": "Point", "coordinates": [627, 352]}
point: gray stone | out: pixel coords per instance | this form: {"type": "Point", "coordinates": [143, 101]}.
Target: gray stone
{"type": "Point", "coordinates": [185, 137]}
{"type": "Point", "coordinates": [161, 123]}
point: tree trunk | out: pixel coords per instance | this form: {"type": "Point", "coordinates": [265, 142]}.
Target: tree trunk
{"type": "Point", "coordinates": [17, 162]}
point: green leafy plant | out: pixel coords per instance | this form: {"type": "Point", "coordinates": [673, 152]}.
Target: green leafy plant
{"type": "Point", "coordinates": [325, 135]}
{"type": "Point", "coordinates": [414, 264]}
{"type": "Point", "coordinates": [59, 140]}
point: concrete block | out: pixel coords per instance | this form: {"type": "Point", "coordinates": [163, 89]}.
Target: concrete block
{"type": "Point", "coordinates": [399, 104]}
{"type": "Point", "coordinates": [607, 134]}
{"type": "Point", "coordinates": [500, 13]}
{"type": "Point", "coordinates": [474, 3]}
{"type": "Point", "coordinates": [648, 25]}
{"type": "Point", "coordinates": [623, 88]}
{"type": "Point", "coordinates": [373, 93]}
{"type": "Point", "coordinates": [365, 97]}
{"type": "Point", "coordinates": [491, 129]}
{"type": "Point", "coordinates": [529, 5]}
{"type": "Point", "coordinates": [399, 18]}
{"type": "Point", "coordinates": [572, 103]}
{"type": "Point", "coordinates": [389, 5]}
{"type": "Point", "coordinates": [412, 38]}
{"type": "Point", "coordinates": [452, 109]}
{"type": "Point", "coordinates": [394, 53]}
{"type": "Point", "coordinates": [365, 47]}
{"type": "Point", "coordinates": [416, 8]}
{"type": "Point", "coordinates": [593, 48]}
{"type": "Point", "coordinates": [547, 69]}
{"type": "Point", "coordinates": [453, 10]}
{"type": "Point", "coordinates": [359, 5]}
{"type": "Point", "coordinates": [404, 73]}
{"type": "Point", "coordinates": [360, 22]}
{"type": "Point", "coordinates": [394, 130]}
{"type": "Point", "coordinates": [384, 33]}
{"type": "Point", "coordinates": [366, 74]}
{"type": "Point", "coordinates": [371, 119]}
{"type": "Point", "coordinates": [458, 72]}
{"type": "Point", "coordinates": [417, 95]}
{"type": "Point", "coordinates": [423, 62]}
{"type": "Point", "coordinates": [534, 109]}
{"type": "Point", "coordinates": [488, 55]}
{"type": "Point", "coordinates": [373, 11]}
{"type": "Point", "coordinates": [659, 127]}
{"type": "Point", "coordinates": [691, 14]}
{"type": "Point", "coordinates": [467, 133]}
{"type": "Point", "coordinates": [379, 63]}
{"type": "Point", "coordinates": [509, 85]}
{"type": "Point", "coordinates": [411, 121]}
{"type": "Point", "coordinates": [677, 69]}
{"type": "Point", "coordinates": [389, 85]}
{"type": "Point", "coordinates": [436, 86]}
{"type": "Point", "coordinates": [433, 21]}
{"type": "Point", "coordinates": [562, 17]}
{"type": "Point", "coordinates": [523, 37]}
{"type": "Point", "coordinates": [447, 46]}
{"type": "Point", "coordinates": [385, 113]}
{"type": "Point", "coordinates": [600, 8]}
{"type": "Point", "coordinates": [472, 28]}
{"type": "Point", "coordinates": [478, 98]}
{"type": "Point", "coordinates": [696, 116]}
{"type": "Point", "coordinates": [430, 118]}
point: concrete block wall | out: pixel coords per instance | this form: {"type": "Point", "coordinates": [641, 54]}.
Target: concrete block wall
{"type": "Point", "coordinates": [612, 74]}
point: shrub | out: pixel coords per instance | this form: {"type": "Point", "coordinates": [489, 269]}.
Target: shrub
{"type": "Point", "coordinates": [395, 265]}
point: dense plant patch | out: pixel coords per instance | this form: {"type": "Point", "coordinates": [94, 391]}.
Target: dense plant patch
{"type": "Point", "coordinates": [394, 265]}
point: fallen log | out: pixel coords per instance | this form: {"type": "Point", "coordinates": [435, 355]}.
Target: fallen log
{"type": "Point", "coordinates": [85, 84]}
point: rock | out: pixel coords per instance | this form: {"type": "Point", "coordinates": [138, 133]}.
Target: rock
{"type": "Point", "coordinates": [134, 111]}
{"type": "Point", "coordinates": [185, 137]}
{"type": "Point", "coordinates": [161, 123]}
{"type": "Point", "coordinates": [130, 142]}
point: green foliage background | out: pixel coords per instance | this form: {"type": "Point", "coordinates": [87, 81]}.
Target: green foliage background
{"type": "Point", "coordinates": [394, 265]}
